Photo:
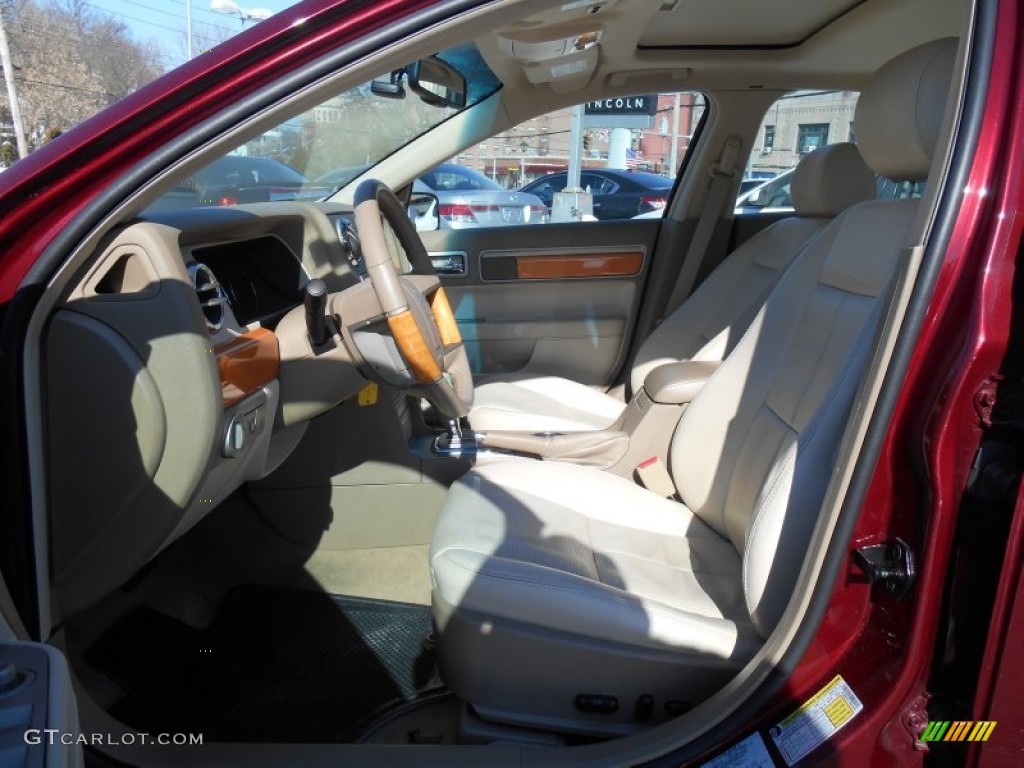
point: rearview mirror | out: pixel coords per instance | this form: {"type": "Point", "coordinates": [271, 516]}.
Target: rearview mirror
{"type": "Point", "coordinates": [437, 83]}
{"type": "Point", "coordinates": [389, 86]}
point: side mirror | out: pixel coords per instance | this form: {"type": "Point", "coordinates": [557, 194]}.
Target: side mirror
{"type": "Point", "coordinates": [423, 210]}
{"type": "Point", "coordinates": [437, 83]}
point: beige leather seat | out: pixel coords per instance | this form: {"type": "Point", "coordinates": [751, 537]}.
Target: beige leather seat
{"type": "Point", "coordinates": [708, 324]}
{"type": "Point", "coordinates": [572, 599]}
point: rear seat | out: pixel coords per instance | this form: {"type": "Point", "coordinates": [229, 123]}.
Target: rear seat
{"type": "Point", "coordinates": [708, 324]}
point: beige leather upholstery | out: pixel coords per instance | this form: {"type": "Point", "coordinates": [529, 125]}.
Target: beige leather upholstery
{"type": "Point", "coordinates": [905, 139]}
{"type": "Point", "coordinates": [679, 383]}
{"type": "Point", "coordinates": [553, 580]}
{"type": "Point", "coordinates": [542, 404]}
{"type": "Point", "coordinates": [828, 181]}
{"type": "Point", "coordinates": [705, 327]}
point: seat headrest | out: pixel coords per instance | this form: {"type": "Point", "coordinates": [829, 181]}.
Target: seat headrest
{"type": "Point", "coordinates": [900, 111]}
{"type": "Point", "coordinates": [829, 180]}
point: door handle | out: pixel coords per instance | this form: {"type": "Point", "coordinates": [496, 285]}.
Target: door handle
{"type": "Point", "coordinates": [449, 262]}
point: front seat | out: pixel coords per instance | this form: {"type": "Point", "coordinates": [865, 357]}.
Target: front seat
{"type": "Point", "coordinates": [574, 600]}
{"type": "Point", "coordinates": [708, 324]}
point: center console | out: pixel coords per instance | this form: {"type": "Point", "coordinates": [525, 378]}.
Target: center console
{"type": "Point", "coordinates": [641, 434]}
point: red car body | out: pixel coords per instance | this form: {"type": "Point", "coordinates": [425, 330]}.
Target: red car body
{"type": "Point", "coordinates": [883, 648]}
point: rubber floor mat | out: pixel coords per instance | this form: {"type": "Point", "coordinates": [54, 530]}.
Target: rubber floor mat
{"type": "Point", "coordinates": [276, 665]}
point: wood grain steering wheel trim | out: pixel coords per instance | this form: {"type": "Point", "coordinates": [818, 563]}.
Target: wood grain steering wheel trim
{"type": "Point", "coordinates": [445, 318]}
{"type": "Point", "coordinates": [414, 347]}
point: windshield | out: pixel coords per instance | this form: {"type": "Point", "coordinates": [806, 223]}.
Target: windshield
{"type": "Point", "coordinates": [320, 150]}
{"type": "Point", "coordinates": [245, 171]}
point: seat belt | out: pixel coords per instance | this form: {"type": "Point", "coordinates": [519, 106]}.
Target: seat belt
{"type": "Point", "coordinates": [722, 173]}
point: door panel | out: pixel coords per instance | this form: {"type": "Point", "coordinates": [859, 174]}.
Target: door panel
{"type": "Point", "coordinates": [553, 299]}
{"type": "Point", "coordinates": [37, 707]}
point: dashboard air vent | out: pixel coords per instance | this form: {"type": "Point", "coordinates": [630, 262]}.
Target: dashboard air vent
{"type": "Point", "coordinates": [211, 296]}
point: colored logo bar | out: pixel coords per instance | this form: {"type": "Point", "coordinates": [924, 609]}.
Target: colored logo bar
{"type": "Point", "coordinates": [959, 730]}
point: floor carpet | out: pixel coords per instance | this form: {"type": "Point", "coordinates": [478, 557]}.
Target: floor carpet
{"type": "Point", "coordinates": [276, 665]}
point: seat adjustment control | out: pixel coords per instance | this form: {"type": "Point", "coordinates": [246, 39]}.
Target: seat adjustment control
{"type": "Point", "coordinates": [644, 707]}
{"type": "Point", "coordinates": [676, 708]}
{"type": "Point", "coordinates": [597, 703]}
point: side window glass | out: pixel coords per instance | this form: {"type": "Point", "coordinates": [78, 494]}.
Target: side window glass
{"type": "Point", "coordinates": [637, 143]}
{"type": "Point", "coordinates": [796, 124]}
{"type": "Point", "coordinates": [598, 185]}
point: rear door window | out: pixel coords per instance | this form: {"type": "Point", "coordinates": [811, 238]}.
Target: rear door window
{"type": "Point", "coordinates": [795, 125]}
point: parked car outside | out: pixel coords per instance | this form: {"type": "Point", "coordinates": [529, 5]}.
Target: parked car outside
{"type": "Point", "coordinates": [617, 194]}
{"type": "Point", "coordinates": [339, 177]}
{"type": "Point", "coordinates": [773, 196]}
{"type": "Point", "coordinates": [235, 179]}
{"type": "Point", "coordinates": [466, 198]}
{"type": "Point", "coordinates": [754, 179]}
{"type": "Point", "coordinates": [770, 196]}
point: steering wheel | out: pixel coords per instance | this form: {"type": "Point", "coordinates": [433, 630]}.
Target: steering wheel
{"type": "Point", "coordinates": [419, 316]}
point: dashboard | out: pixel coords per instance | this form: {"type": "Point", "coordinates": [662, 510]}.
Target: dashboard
{"type": "Point", "coordinates": [261, 279]}
{"type": "Point", "coordinates": [180, 368]}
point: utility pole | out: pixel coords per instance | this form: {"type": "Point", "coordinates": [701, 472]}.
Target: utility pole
{"type": "Point", "coordinates": [12, 91]}
{"type": "Point", "coordinates": [188, 28]}
{"type": "Point", "coordinates": [674, 152]}
{"type": "Point", "coordinates": [575, 148]}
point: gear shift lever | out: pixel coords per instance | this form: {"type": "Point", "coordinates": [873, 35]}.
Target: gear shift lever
{"type": "Point", "coordinates": [454, 435]}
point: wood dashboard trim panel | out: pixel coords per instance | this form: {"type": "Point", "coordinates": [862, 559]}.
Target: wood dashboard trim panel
{"type": "Point", "coordinates": [247, 363]}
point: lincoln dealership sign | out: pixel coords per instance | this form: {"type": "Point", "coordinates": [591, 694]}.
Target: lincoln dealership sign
{"type": "Point", "coordinates": [628, 105]}
{"type": "Point", "coordinates": [620, 112]}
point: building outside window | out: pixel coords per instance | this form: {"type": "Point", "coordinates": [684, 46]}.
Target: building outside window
{"type": "Point", "coordinates": [769, 139]}
{"type": "Point", "coordinates": [810, 136]}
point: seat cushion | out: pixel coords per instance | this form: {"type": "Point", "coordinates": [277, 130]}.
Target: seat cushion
{"type": "Point", "coordinates": [575, 549]}
{"type": "Point", "coordinates": [575, 569]}
{"type": "Point", "coordinates": [542, 404]}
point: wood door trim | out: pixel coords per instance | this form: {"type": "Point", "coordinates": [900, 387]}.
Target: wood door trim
{"type": "Point", "coordinates": [623, 261]}
{"type": "Point", "coordinates": [626, 264]}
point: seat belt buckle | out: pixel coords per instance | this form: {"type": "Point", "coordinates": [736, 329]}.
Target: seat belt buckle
{"type": "Point", "coordinates": [655, 477]}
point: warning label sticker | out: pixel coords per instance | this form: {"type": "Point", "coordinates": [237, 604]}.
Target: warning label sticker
{"type": "Point", "coordinates": [749, 753]}
{"type": "Point", "coordinates": [816, 721]}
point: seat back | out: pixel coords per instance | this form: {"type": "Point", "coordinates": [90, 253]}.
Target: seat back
{"type": "Point", "coordinates": [709, 324]}
{"type": "Point", "coordinates": [754, 452]}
